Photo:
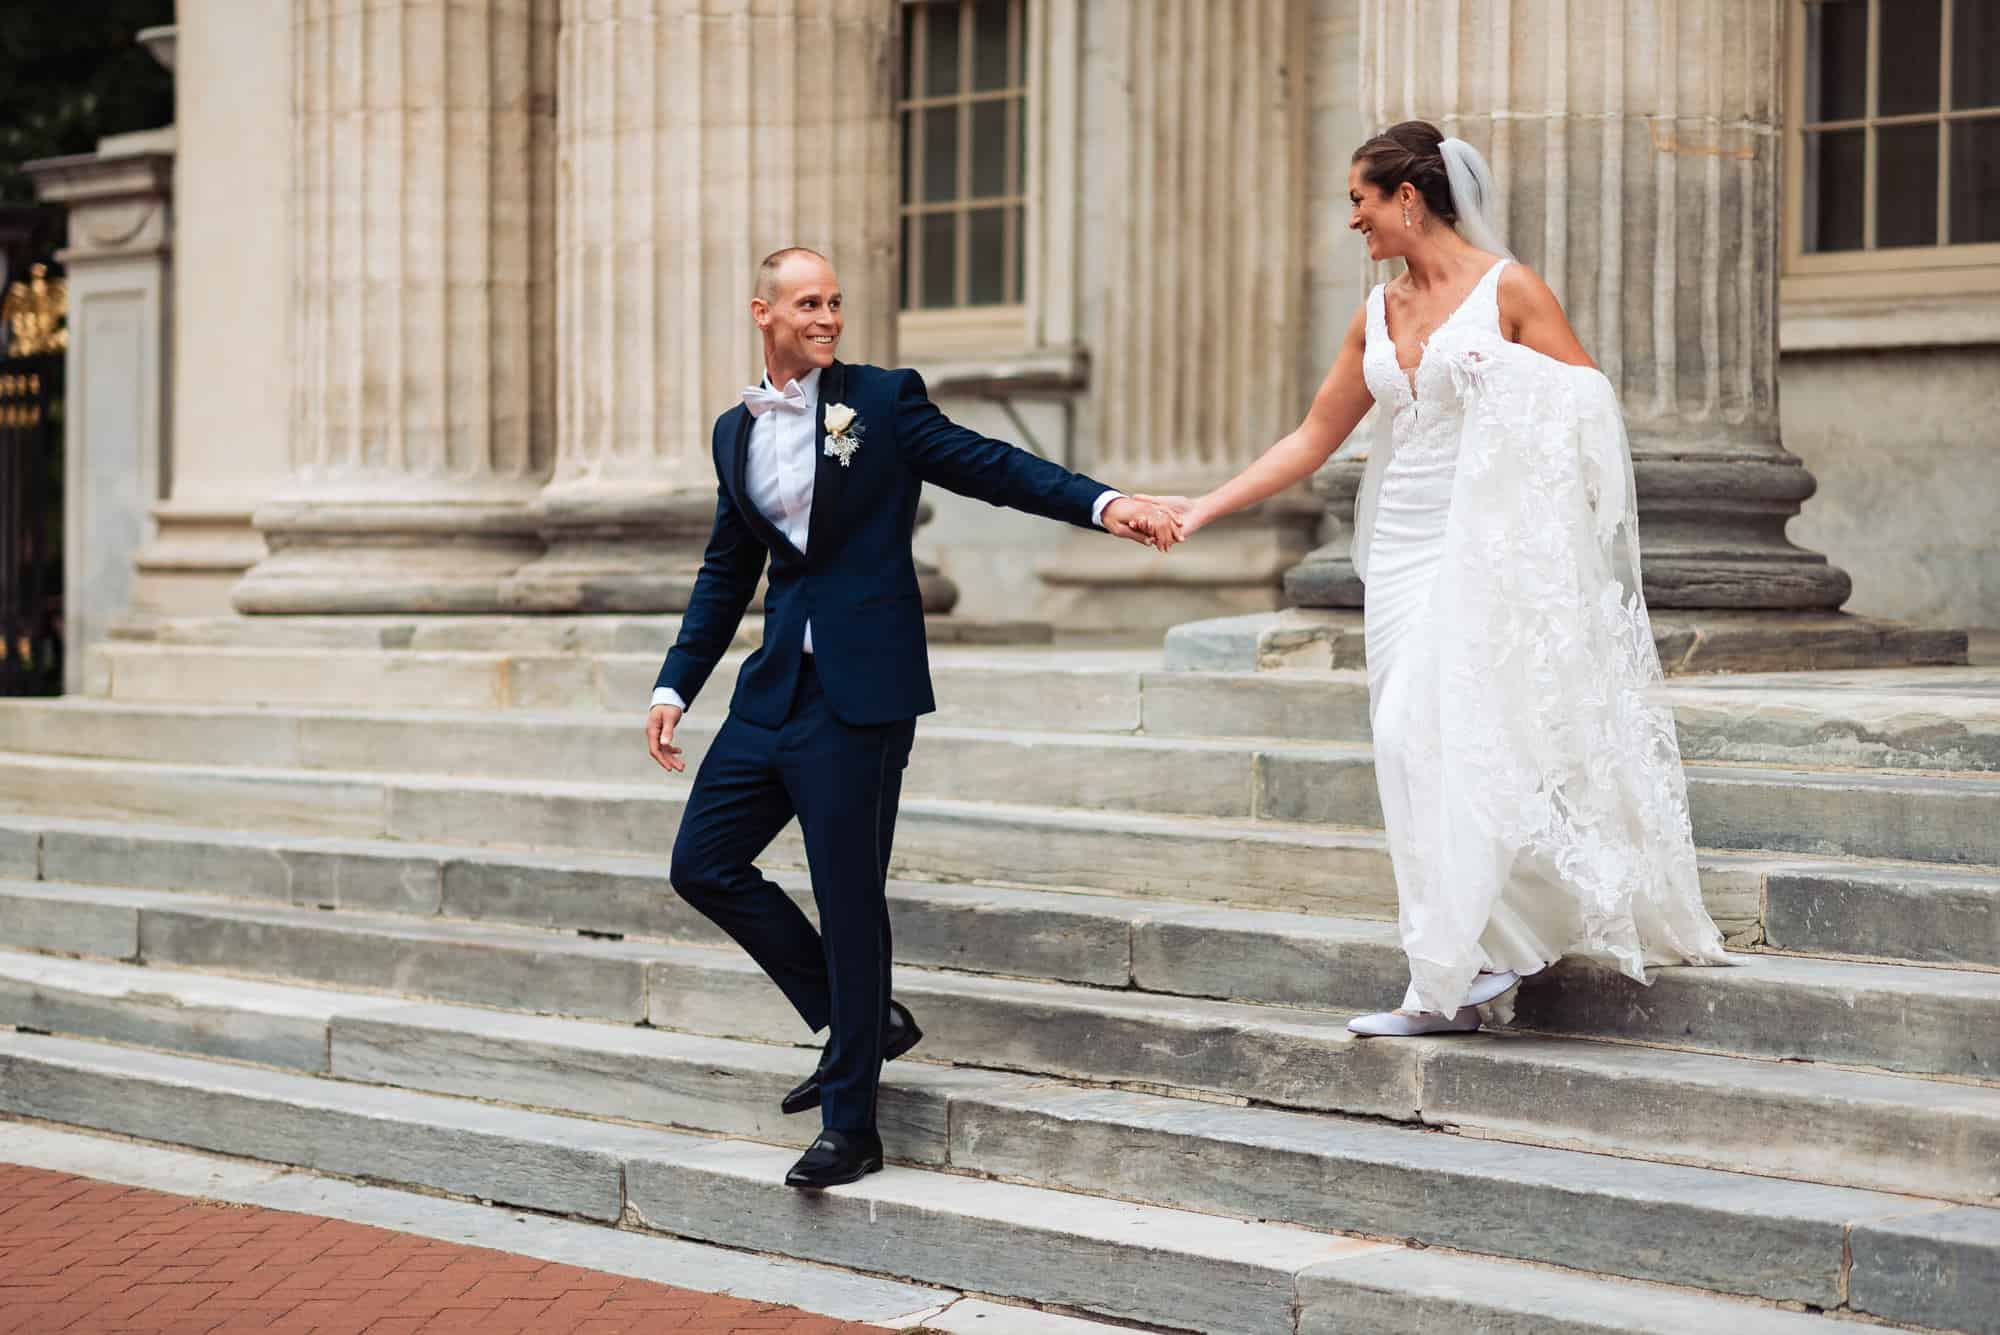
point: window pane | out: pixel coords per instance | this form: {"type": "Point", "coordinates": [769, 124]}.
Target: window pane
{"type": "Point", "coordinates": [1912, 33]}
{"type": "Point", "coordinates": [940, 155]}
{"type": "Point", "coordinates": [988, 249]}
{"type": "Point", "coordinates": [1975, 54]}
{"type": "Point", "coordinates": [1837, 51]}
{"type": "Point", "coordinates": [940, 258]}
{"type": "Point", "coordinates": [941, 49]}
{"type": "Point", "coordinates": [1020, 255]}
{"type": "Point", "coordinates": [989, 148]}
{"type": "Point", "coordinates": [1834, 166]}
{"type": "Point", "coordinates": [989, 44]}
{"type": "Point", "coordinates": [1975, 181]}
{"type": "Point", "coordinates": [909, 156]}
{"type": "Point", "coordinates": [1019, 184]}
{"type": "Point", "coordinates": [904, 277]}
{"type": "Point", "coordinates": [1906, 185]}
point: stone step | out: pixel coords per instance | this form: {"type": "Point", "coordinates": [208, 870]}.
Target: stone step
{"type": "Point", "coordinates": [1944, 818]}
{"type": "Point", "coordinates": [1171, 776]}
{"type": "Point", "coordinates": [1879, 910]}
{"type": "Point", "coordinates": [1586, 1211]}
{"type": "Point", "coordinates": [1065, 936]}
{"type": "Point", "coordinates": [1262, 863]}
{"type": "Point", "coordinates": [1266, 863]}
{"type": "Point", "coordinates": [1884, 1133]}
{"type": "Point", "coordinates": [1933, 915]}
{"type": "Point", "coordinates": [1921, 1021]}
{"type": "Point", "coordinates": [1288, 1056]}
{"type": "Point", "coordinates": [758, 1276]}
{"type": "Point", "coordinates": [1932, 718]}
{"type": "Point", "coordinates": [1073, 690]}
{"type": "Point", "coordinates": [1104, 1257]}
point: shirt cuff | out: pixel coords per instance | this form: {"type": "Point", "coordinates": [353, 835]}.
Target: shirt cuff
{"type": "Point", "coordinates": [667, 695]}
{"type": "Point", "coordinates": [1103, 502]}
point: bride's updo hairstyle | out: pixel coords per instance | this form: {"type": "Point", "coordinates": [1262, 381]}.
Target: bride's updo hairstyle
{"type": "Point", "coordinates": [1409, 151]}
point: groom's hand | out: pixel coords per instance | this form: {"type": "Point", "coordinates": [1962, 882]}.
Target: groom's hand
{"type": "Point", "coordinates": [1142, 522]}
{"type": "Point", "coordinates": [661, 721]}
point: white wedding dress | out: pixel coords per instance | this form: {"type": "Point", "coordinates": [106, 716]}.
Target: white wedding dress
{"type": "Point", "coordinates": [1530, 779]}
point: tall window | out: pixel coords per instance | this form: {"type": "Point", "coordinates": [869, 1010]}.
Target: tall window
{"type": "Point", "coordinates": [1900, 129]}
{"type": "Point", "coordinates": [964, 154]}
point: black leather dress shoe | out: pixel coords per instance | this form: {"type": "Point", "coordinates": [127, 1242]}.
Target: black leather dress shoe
{"type": "Point", "coordinates": [837, 1157]}
{"type": "Point", "coordinates": [902, 1035]}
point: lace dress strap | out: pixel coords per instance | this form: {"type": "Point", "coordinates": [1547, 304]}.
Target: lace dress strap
{"type": "Point", "coordinates": [1484, 301]}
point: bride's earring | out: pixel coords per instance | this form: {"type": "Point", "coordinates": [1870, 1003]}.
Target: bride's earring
{"type": "Point", "coordinates": [1406, 215]}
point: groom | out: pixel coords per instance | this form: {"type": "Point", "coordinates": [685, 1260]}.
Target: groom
{"type": "Point", "coordinates": [820, 470]}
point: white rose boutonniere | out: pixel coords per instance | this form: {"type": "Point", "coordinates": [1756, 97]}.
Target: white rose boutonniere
{"type": "Point", "coordinates": [843, 433]}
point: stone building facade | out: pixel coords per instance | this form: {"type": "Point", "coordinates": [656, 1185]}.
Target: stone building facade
{"type": "Point", "coordinates": [458, 287]}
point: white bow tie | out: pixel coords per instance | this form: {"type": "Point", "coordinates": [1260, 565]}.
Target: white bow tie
{"type": "Point", "coordinates": [760, 400]}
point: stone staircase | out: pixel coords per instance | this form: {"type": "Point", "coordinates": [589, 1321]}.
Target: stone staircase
{"type": "Point", "coordinates": [388, 902]}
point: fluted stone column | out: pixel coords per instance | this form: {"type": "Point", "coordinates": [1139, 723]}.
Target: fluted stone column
{"type": "Point", "coordinates": [696, 137]}
{"type": "Point", "coordinates": [1636, 149]}
{"type": "Point", "coordinates": [422, 281]}
{"type": "Point", "coordinates": [1197, 326]}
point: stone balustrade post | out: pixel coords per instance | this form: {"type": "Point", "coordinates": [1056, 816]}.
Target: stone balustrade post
{"type": "Point", "coordinates": [117, 433]}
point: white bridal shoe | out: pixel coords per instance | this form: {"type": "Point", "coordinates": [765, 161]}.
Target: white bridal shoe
{"type": "Point", "coordinates": [1394, 1024]}
{"type": "Point", "coordinates": [1487, 986]}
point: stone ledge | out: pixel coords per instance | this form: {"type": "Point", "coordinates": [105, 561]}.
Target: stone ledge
{"type": "Point", "coordinates": [1688, 642]}
{"type": "Point", "coordinates": [520, 633]}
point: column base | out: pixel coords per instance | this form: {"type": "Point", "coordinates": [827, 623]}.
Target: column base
{"type": "Point", "coordinates": [346, 558]}
{"type": "Point", "coordinates": [1711, 530]}
{"type": "Point", "coordinates": [628, 549]}
{"type": "Point", "coordinates": [1098, 583]}
{"type": "Point", "coordinates": [1688, 642]}
{"type": "Point", "coordinates": [197, 555]}
{"type": "Point", "coordinates": [614, 549]}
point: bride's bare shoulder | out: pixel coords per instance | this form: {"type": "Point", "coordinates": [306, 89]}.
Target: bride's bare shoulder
{"type": "Point", "coordinates": [1531, 315]}
{"type": "Point", "coordinates": [1522, 293]}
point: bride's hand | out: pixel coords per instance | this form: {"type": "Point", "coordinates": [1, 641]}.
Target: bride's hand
{"type": "Point", "coordinates": [1185, 514]}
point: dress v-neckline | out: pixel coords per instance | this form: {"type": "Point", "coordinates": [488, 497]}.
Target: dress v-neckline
{"type": "Point", "coordinates": [1409, 373]}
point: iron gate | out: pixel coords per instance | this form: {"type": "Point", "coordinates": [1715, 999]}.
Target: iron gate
{"type": "Point", "coordinates": [31, 560]}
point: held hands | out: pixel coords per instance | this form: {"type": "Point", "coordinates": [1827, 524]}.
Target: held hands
{"type": "Point", "coordinates": [661, 721]}
{"type": "Point", "coordinates": [1143, 520]}
{"type": "Point", "coordinates": [1181, 513]}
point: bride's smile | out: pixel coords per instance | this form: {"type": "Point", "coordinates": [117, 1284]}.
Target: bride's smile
{"type": "Point", "coordinates": [1374, 212]}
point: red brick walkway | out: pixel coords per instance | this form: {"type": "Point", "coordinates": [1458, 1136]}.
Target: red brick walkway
{"type": "Point", "coordinates": [81, 1257]}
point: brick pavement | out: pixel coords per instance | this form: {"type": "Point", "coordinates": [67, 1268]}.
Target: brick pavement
{"type": "Point", "coordinates": [81, 1257]}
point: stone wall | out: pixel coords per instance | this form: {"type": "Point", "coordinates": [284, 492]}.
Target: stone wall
{"type": "Point", "coordinates": [1906, 446]}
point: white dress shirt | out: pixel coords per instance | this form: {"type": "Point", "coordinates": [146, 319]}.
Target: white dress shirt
{"type": "Point", "coordinates": [778, 478]}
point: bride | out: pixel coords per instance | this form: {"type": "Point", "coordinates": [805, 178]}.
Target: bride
{"type": "Point", "coordinates": [1531, 782]}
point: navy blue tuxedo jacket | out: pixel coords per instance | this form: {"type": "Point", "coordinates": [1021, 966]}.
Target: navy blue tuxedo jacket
{"type": "Point", "coordinates": [857, 580]}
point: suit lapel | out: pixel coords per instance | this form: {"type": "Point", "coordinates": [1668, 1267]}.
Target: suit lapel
{"type": "Point", "coordinates": [827, 472]}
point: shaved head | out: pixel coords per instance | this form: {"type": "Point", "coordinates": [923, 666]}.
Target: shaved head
{"type": "Point", "coordinates": [770, 272]}
{"type": "Point", "coordinates": [797, 308]}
